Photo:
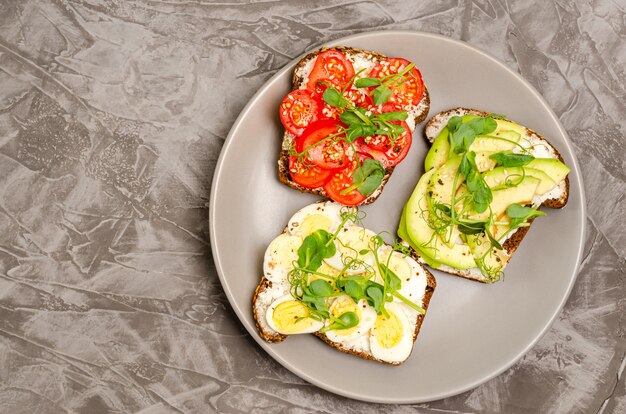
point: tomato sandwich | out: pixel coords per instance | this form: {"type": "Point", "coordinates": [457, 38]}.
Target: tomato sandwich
{"type": "Point", "coordinates": [349, 121]}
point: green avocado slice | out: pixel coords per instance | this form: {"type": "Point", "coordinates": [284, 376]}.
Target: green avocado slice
{"type": "Point", "coordinates": [554, 168]}
{"type": "Point", "coordinates": [438, 153]}
{"type": "Point", "coordinates": [404, 235]}
{"type": "Point", "coordinates": [496, 141]}
{"type": "Point", "coordinates": [501, 175]}
{"type": "Point", "coordinates": [419, 232]}
{"type": "Point", "coordinates": [522, 193]}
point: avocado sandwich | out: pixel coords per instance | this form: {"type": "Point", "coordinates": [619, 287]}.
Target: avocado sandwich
{"type": "Point", "coordinates": [485, 179]}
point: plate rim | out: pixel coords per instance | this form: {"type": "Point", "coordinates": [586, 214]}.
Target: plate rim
{"type": "Point", "coordinates": [252, 330]}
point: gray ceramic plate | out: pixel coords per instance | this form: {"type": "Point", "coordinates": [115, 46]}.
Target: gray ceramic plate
{"type": "Point", "coordinates": [472, 332]}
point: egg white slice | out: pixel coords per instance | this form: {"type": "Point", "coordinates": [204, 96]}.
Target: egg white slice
{"type": "Point", "coordinates": [412, 276]}
{"type": "Point", "coordinates": [413, 286]}
{"type": "Point", "coordinates": [350, 242]}
{"type": "Point", "coordinates": [366, 314]}
{"type": "Point", "coordinates": [326, 216]}
{"type": "Point", "coordinates": [279, 257]}
{"type": "Point", "coordinates": [391, 339]}
{"type": "Point", "coordinates": [289, 316]}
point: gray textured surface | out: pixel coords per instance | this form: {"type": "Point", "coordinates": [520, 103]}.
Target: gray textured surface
{"type": "Point", "coordinates": [112, 116]}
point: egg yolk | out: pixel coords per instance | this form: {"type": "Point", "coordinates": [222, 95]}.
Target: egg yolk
{"type": "Point", "coordinates": [327, 270]}
{"type": "Point", "coordinates": [354, 241]}
{"type": "Point", "coordinates": [315, 222]}
{"type": "Point", "coordinates": [291, 316]}
{"type": "Point", "coordinates": [284, 251]}
{"type": "Point", "coordinates": [388, 331]}
{"type": "Point", "coordinates": [342, 305]}
{"type": "Point", "coordinates": [400, 267]}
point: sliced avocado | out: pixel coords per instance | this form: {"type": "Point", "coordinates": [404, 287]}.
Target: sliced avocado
{"type": "Point", "coordinates": [442, 181]}
{"type": "Point", "coordinates": [494, 261]}
{"type": "Point", "coordinates": [501, 175]}
{"type": "Point", "coordinates": [510, 126]}
{"type": "Point", "coordinates": [498, 230]}
{"type": "Point", "coordinates": [450, 236]}
{"type": "Point", "coordinates": [483, 162]}
{"type": "Point", "coordinates": [404, 235]}
{"type": "Point", "coordinates": [496, 141]}
{"type": "Point", "coordinates": [440, 190]}
{"type": "Point", "coordinates": [438, 153]}
{"type": "Point", "coordinates": [522, 193]}
{"type": "Point", "coordinates": [551, 166]}
{"type": "Point", "coordinates": [502, 125]}
{"type": "Point", "coordinates": [420, 233]}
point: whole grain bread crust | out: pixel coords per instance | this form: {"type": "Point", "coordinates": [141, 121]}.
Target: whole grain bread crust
{"type": "Point", "coordinates": [513, 242]}
{"type": "Point", "coordinates": [265, 334]}
{"type": "Point", "coordinates": [283, 158]}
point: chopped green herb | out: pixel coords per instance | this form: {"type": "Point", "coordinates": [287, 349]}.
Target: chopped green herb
{"type": "Point", "coordinates": [520, 214]}
{"type": "Point", "coordinates": [368, 177]}
{"type": "Point", "coordinates": [367, 82]}
{"type": "Point", "coordinates": [509, 159]}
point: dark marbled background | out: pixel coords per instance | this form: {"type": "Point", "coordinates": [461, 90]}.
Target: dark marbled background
{"type": "Point", "coordinates": [112, 116]}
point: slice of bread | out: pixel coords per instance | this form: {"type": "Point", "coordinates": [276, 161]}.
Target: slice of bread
{"type": "Point", "coordinates": [556, 198]}
{"type": "Point", "coordinates": [359, 58]}
{"type": "Point", "coordinates": [430, 289]}
{"type": "Point", "coordinates": [267, 292]}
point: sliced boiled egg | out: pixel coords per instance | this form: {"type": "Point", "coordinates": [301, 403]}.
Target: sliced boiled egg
{"type": "Point", "coordinates": [414, 283]}
{"type": "Point", "coordinates": [289, 316]}
{"type": "Point", "coordinates": [391, 338]}
{"type": "Point", "coordinates": [279, 257]}
{"type": "Point", "coordinates": [325, 216]}
{"type": "Point", "coordinates": [350, 243]}
{"type": "Point", "coordinates": [325, 270]}
{"type": "Point", "coordinates": [412, 277]}
{"type": "Point", "coordinates": [366, 314]}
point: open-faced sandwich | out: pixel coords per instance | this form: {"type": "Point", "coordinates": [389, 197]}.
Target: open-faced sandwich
{"type": "Point", "coordinates": [485, 179]}
{"type": "Point", "coordinates": [348, 121]}
{"type": "Point", "coordinates": [329, 276]}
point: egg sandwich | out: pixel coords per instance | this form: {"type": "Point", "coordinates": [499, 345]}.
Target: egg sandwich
{"type": "Point", "coordinates": [327, 275]}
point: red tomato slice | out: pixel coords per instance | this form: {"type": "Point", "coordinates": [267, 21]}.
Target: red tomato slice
{"type": "Point", "coordinates": [322, 84]}
{"type": "Point", "coordinates": [330, 154]}
{"type": "Point", "coordinates": [379, 147]}
{"type": "Point", "coordinates": [393, 152]}
{"type": "Point", "coordinates": [340, 181]}
{"type": "Point", "coordinates": [307, 174]}
{"type": "Point", "coordinates": [388, 107]}
{"type": "Point", "coordinates": [298, 110]}
{"type": "Point", "coordinates": [332, 65]}
{"type": "Point", "coordinates": [362, 147]}
{"type": "Point", "coordinates": [405, 93]}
